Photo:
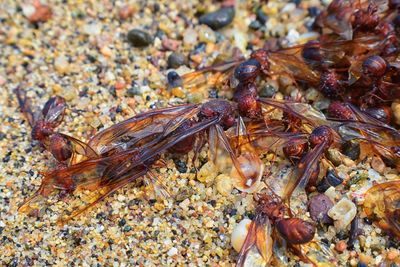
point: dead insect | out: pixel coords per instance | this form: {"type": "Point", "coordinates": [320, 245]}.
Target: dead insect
{"type": "Point", "coordinates": [64, 148]}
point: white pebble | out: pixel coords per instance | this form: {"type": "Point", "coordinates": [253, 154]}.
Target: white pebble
{"type": "Point", "coordinates": [343, 213]}
{"type": "Point", "coordinates": [189, 37]}
{"type": "Point", "coordinates": [172, 252]}
{"type": "Point", "coordinates": [239, 234]}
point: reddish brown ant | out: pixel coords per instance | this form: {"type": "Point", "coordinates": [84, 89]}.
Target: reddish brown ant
{"type": "Point", "coordinates": [119, 165]}
{"type": "Point", "coordinates": [271, 229]}
{"type": "Point", "coordinates": [64, 148]}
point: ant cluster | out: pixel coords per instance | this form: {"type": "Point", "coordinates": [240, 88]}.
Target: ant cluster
{"type": "Point", "coordinates": [354, 64]}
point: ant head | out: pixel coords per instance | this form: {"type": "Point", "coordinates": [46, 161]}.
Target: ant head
{"type": "Point", "coordinates": [41, 131]}
{"type": "Point", "coordinates": [271, 205]}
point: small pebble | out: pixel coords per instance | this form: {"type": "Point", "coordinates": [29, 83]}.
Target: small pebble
{"type": "Point", "coordinates": [343, 213]}
{"type": "Point", "coordinates": [318, 207]}
{"type": "Point", "coordinates": [174, 80]}
{"type": "Point", "coordinates": [172, 252]}
{"type": "Point", "coordinates": [139, 38]}
{"type": "Point", "coordinates": [351, 149]}
{"type": "Point", "coordinates": [261, 16]}
{"type": "Point", "coordinates": [175, 60]}
{"type": "Point", "coordinates": [341, 246]}
{"type": "Point", "coordinates": [218, 19]}
{"type": "Point", "coordinates": [125, 12]}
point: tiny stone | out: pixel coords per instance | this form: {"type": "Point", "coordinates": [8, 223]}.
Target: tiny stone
{"type": "Point", "coordinates": [319, 206]}
{"type": "Point", "coordinates": [218, 19]}
{"type": "Point", "coordinates": [174, 80]}
{"type": "Point", "coordinates": [255, 25]}
{"type": "Point", "coordinates": [261, 17]}
{"type": "Point", "coordinates": [340, 246]}
{"type": "Point", "coordinates": [172, 252]}
{"type": "Point", "coordinates": [351, 149]}
{"type": "Point", "coordinates": [175, 60]}
{"type": "Point", "coordinates": [139, 38]}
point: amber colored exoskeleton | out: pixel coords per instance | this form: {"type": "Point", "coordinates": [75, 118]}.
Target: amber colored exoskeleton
{"type": "Point", "coordinates": [382, 206]}
{"type": "Point", "coordinates": [64, 148]}
{"type": "Point", "coordinates": [271, 229]}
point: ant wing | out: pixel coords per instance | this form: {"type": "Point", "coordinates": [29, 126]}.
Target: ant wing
{"type": "Point", "coordinates": [145, 126]}
{"type": "Point", "coordinates": [266, 141]}
{"type": "Point", "coordinates": [257, 247]}
{"type": "Point", "coordinates": [53, 110]}
{"type": "Point", "coordinates": [294, 66]}
{"type": "Point", "coordinates": [99, 194]}
{"type": "Point", "coordinates": [303, 111]}
{"type": "Point", "coordinates": [80, 150]}
{"type": "Point", "coordinates": [304, 169]}
{"type": "Point", "coordinates": [381, 205]}
{"type": "Point", "coordinates": [25, 105]}
{"type": "Point", "coordinates": [211, 76]}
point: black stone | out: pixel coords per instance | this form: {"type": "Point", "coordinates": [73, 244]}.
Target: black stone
{"type": "Point", "coordinates": [122, 222]}
{"type": "Point", "coordinates": [174, 80]}
{"type": "Point", "coordinates": [351, 149]}
{"type": "Point", "coordinates": [313, 11]}
{"type": "Point", "coordinates": [331, 179]}
{"type": "Point", "coordinates": [139, 38]}
{"type": "Point", "coordinates": [175, 60]}
{"type": "Point", "coordinates": [218, 19]}
{"type": "Point", "coordinates": [267, 91]}
{"type": "Point", "coordinates": [261, 16]}
{"type": "Point", "coordinates": [255, 25]}
{"type": "Point", "coordinates": [181, 166]}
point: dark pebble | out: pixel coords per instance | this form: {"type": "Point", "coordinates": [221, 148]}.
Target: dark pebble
{"type": "Point", "coordinates": [134, 90]}
{"type": "Point", "coordinates": [212, 203]}
{"type": "Point", "coordinates": [152, 201]}
{"type": "Point", "coordinates": [199, 48]}
{"type": "Point", "coordinates": [249, 215]}
{"type": "Point", "coordinates": [181, 166]}
{"type": "Point", "coordinates": [297, 2]}
{"type": "Point", "coordinates": [2, 136]}
{"type": "Point", "coordinates": [101, 216]}
{"type": "Point", "coordinates": [122, 222]}
{"type": "Point", "coordinates": [255, 25]}
{"type": "Point", "coordinates": [318, 207]}
{"type": "Point", "coordinates": [175, 60]}
{"type": "Point", "coordinates": [127, 228]}
{"type": "Point", "coordinates": [218, 19]}
{"type": "Point", "coordinates": [330, 179]}
{"type": "Point", "coordinates": [267, 91]}
{"type": "Point", "coordinates": [362, 264]}
{"type": "Point", "coordinates": [139, 38]}
{"type": "Point", "coordinates": [342, 235]}
{"type": "Point", "coordinates": [134, 202]}
{"type": "Point", "coordinates": [212, 93]}
{"type": "Point", "coordinates": [351, 149]}
{"type": "Point", "coordinates": [261, 16]}
{"type": "Point", "coordinates": [174, 80]}
{"type": "Point", "coordinates": [313, 11]}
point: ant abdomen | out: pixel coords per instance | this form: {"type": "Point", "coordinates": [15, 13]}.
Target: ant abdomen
{"type": "Point", "coordinates": [248, 70]}
{"type": "Point", "coordinates": [295, 230]}
{"type": "Point", "coordinates": [329, 84]}
{"type": "Point", "coordinates": [321, 134]}
{"type": "Point", "coordinates": [374, 66]}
